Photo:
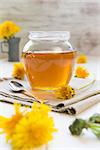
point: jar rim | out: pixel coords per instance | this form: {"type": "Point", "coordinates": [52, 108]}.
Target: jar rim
{"type": "Point", "coordinates": [49, 35]}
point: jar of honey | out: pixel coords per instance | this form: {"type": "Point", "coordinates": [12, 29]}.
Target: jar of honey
{"type": "Point", "coordinates": [48, 58]}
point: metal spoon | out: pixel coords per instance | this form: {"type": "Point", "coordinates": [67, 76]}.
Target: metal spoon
{"type": "Point", "coordinates": [19, 88]}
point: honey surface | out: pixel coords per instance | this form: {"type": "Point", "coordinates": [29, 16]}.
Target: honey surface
{"type": "Point", "coordinates": [48, 70]}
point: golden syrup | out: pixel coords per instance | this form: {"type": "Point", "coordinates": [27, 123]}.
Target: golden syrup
{"type": "Point", "coordinates": [49, 71]}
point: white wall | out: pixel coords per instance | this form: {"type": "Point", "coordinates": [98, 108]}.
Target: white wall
{"type": "Point", "coordinates": [81, 17]}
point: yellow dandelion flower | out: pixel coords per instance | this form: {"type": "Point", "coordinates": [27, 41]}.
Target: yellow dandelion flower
{"type": "Point", "coordinates": [8, 29]}
{"type": "Point", "coordinates": [8, 124]}
{"type": "Point", "coordinates": [65, 92]}
{"type": "Point", "coordinates": [36, 107]}
{"type": "Point", "coordinates": [81, 72]}
{"type": "Point", "coordinates": [34, 130]}
{"type": "Point", "coordinates": [82, 59]}
{"type": "Point", "coordinates": [18, 71]}
{"type": "Point", "coordinates": [27, 130]}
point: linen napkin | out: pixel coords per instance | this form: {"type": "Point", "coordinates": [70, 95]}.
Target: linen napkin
{"type": "Point", "coordinates": [80, 106]}
{"type": "Point", "coordinates": [82, 100]}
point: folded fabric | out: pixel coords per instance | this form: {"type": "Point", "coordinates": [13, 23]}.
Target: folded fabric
{"type": "Point", "coordinates": [82, 100]}
{"type": "Point", "coordinates": [72, 109]}
{"type": "Point", "coordinates": [80, 106]}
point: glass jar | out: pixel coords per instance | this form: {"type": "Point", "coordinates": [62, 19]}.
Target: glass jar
{"type": "Point", "coordinates": [48, 58]}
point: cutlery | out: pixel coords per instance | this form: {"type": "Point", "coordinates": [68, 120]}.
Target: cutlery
{"type": "Point", "coordinates": [19, 88]}
{"type": "Point", "coordinates": [71, 109]}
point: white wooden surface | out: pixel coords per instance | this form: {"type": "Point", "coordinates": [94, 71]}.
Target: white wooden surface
{"type": "Point", "coordinates": [80, 17]}
{"type": "Point", "coordinates": [62, 139]}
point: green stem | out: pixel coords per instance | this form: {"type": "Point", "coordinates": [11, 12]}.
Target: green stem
{"type": "Point", "coordinates": [95, 128]}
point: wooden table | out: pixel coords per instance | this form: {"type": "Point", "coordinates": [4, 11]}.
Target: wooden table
{"type": "Point", "coordinates": [62, 139]}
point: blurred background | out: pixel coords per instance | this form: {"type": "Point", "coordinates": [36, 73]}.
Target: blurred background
{"type": "Point", "coordinates": [80, 17]}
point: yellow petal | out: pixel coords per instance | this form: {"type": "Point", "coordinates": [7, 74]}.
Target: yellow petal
{"type": "Point", "coordinates": [18, 71]}
{"type": "Point", "coordinates": [81, 72]}
{"type": "Point", "coordinates": [82, 59]}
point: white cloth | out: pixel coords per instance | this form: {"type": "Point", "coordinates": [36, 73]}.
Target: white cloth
{"type": "Point", "coordinates": [82, 100]}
